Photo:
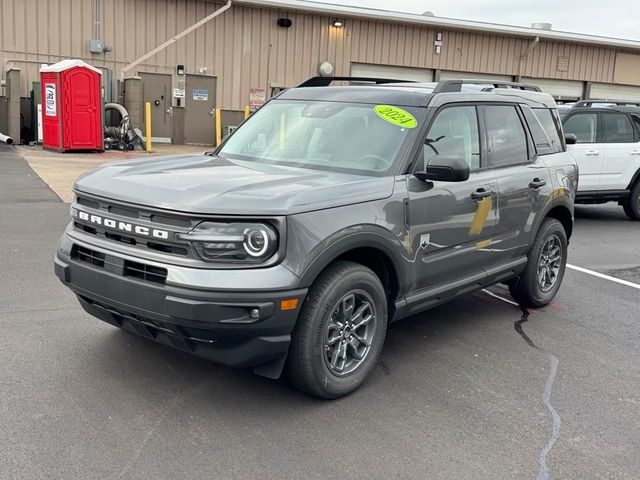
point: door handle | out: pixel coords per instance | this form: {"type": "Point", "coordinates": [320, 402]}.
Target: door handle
{"type": "Point", "coordinates": [635, 152]}
{"type": "Point", "coordinates": [592, 153]}
{"type": "Point", "coordinates": [481, 193]}
{"type": "Point", "coordinates": [537, 183]}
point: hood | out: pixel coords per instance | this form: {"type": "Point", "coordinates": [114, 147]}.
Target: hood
{"type": "Point", "coordinates": [213, 185]}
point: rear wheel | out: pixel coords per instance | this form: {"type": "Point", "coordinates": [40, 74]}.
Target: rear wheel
{"type": "Point", "coordinates": [632, 204]}
{"type": "Point", "coordinates": [547, 261]}
{"type": "Point", "coordinates": [340, 331]}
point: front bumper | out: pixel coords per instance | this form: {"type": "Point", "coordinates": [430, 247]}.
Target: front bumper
{"type": "Point", "coordinates": [213, 324]}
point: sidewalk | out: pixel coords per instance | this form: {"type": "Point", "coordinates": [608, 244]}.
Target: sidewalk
{"type": "Point", "coordinates": [59, 170]}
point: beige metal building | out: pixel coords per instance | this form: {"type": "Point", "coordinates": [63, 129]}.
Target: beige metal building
{"type": "Point", "coordinates": [254, 48]}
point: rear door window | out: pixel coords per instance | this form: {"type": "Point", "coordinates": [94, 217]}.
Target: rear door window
{"type": "Point", "coordinates": [584, 126]}
{"type": "Point", "coordinates": [616, 128]}
{"type": "Point", "coordinates": [506, 137]}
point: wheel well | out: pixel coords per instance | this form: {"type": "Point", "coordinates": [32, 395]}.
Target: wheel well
{"type": "Point", "coordinates": [380, 263]}
{"type": "Point", "coordinates": [563, 215]}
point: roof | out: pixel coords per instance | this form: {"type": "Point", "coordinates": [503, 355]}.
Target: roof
{"type": "Point", "coordinates": [67, 64]}
{"type": "Point", "coordinates": [343, 11]}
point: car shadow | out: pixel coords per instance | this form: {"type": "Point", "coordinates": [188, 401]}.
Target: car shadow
{"type": "Point", "coordinates": [606, 212]}
{"type": "Point", "coordinates": [412, 343]}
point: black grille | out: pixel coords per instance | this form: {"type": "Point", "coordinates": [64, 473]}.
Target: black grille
{"type": "Point", "coordinates": [170, 245]}
{"type": "Point", "coordinates": [87, 255]}
{"type": "Point", "coordinates": [145, 272]}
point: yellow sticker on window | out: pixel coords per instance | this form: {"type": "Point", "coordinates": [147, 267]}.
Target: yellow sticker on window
{"type": "Point", "coordinates": [396, 116]}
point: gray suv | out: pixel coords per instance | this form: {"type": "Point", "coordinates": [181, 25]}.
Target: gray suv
{"type": "Point", "coordinates": [328, 214]}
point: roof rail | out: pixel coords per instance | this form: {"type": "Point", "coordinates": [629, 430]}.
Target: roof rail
{"type": "Point", "coordinates": [325, 81]}
{"type": "Point", "coordinates": [456, 85]}
{"type": "Point", "coordinates": [621, 103]}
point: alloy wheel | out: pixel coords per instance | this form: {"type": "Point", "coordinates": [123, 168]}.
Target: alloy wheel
{"type": "Point", "coordinates": [550, 263]}
{"type": "Point", "coordinates": [349, 333]}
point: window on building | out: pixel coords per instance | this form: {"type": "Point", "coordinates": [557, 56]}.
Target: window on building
{"type": "Point", "coordinates": [616, 128]}
{"type": "Point", "coordinates": [454, 132]}
{"type": "Point", "coordinates": [506, 136]}
{"type": "Point", "coordinates": [584, 126]}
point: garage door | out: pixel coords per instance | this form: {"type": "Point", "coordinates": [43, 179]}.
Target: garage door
{"type": "Point", "coordinates": [559, 89]}
{"type": "Point", "coordinates": [391, 71]}
{"type": "Point", "coordinates": [615, 92]}
{"type": "Point", "coordinates": [451, 75]}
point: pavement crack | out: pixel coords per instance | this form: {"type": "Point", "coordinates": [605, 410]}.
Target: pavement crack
{"type": "Point", "coordinates": [518, 327]}
{"type": "Point", "coordinates": [543, 472]}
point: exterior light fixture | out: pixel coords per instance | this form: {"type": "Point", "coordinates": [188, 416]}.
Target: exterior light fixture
{"type": "Point", "coordinates": [284, 22]}
{"type": "Point", "coordinates": [338, 23]}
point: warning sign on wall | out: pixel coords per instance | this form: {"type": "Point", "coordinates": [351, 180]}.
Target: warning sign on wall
{"type": "Point", "coordinates": [201, 94]}
{"type": "Point", "coordinates": [257, 97]}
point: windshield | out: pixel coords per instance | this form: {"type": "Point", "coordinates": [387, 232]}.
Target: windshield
{"type": "Point", "coordinates": [345, 137]}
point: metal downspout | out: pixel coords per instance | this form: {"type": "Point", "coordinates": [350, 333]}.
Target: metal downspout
{"type": "Point", "coordinates": [172, 40]}
{"type": "Point", "coordinates": [523, 57]}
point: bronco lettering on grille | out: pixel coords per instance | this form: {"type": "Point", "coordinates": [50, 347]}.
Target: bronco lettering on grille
{"type": "Point", "coordinates": [123, 226]}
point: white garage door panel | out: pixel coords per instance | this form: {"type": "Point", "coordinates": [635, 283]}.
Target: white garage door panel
{"type": "Point", "coordinates": [557, 88]}
{"type": "Point", "coordinates": [451, 75]}
{"type": "Point", "coordinates": [391, 71]}
{"type": "Point", "coordinates": [615, 92]}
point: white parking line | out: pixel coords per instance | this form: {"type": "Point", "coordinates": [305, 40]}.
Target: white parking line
{"type": "Point", "coordinates": [500, 298]}
{"type": "Point", "coordinates": [602, 275]}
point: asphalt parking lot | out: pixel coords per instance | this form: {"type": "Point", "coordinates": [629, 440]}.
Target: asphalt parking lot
{"type": "Point", "coordinates": [473, 389]}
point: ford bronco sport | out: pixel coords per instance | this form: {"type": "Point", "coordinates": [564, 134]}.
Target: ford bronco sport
{"type": "Point", "coordinates": [607, 152]}
{"type": "Point", "coordinates": [329, 213]}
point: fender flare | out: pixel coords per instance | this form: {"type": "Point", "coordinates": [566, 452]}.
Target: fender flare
{"type": "Point", "coordinates": [634, 179]}
{"type": "Point", "coordinates": [367, 236]}
{"type": "Point", "coordinates": [560, 201]}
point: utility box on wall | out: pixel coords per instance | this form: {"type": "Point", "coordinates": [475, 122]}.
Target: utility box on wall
{"type": "Point", "coordinates": [71, 106]}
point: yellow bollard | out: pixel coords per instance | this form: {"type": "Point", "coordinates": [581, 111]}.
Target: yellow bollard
{"type": "Point", "coordinates": [246, 112]}
{"type": "Point", "coordinates": [147, 121]}
{"type": "Point", "coordinates": [218, 128]}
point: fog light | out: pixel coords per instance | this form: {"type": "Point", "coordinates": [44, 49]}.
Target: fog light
{"type": "Point", "coordinates": [254, 313]}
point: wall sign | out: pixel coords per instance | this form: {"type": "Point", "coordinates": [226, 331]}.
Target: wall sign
{"type": "Point", "coordinates": [201, 94]}
{"type": "Point", "coordinates": [50, 99]}
{"type": "Point", "coordinates": [257, 97]}
{"type": "Point", "coordinates": [178, 93]}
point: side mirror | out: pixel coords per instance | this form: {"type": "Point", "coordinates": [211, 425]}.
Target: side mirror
{"type": "Point", "coordinates": [570, 139]}
{"type": "Point", "coordinates": [445, 168]}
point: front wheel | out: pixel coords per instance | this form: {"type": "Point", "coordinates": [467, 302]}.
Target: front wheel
{"type": "Point", "coordinates": [340, 331]}
{"type": "Point", "coordinates": [547, 260]}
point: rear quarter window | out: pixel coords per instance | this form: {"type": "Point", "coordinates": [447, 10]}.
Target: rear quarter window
{"type": "Point", "coordinates": [550, 123]}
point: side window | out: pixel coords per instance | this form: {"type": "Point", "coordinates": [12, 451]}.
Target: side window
{"type": "Point", "coordinates": [506, 136]}
{"type": "Point", "coordinates": [454, 132]}
{"type": "Point", "coordinates": [551, 126]}
{"type": "Point", "coordinates": [583, 126]}
{"type": "Point", "coordinates": [543, 143]}
{"type": "Point", "coordinates": [616, 128]}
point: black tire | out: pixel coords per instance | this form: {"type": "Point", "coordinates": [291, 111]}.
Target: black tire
{"type": "Point", "coordinates": [309, 363]}
{"type": "Point", "coordinates": [632, 205]}
{"type": "Point", "coordinates": [528, 290]}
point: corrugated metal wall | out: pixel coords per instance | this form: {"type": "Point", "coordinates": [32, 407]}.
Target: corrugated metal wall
{"type": "Point", "coordinates": [245, 48]}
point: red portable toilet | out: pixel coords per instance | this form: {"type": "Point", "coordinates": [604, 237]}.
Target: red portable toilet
{"type": "Point", "coordinates": [72, 106]}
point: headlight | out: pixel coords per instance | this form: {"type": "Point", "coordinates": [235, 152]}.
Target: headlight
{"type": "Point", "coordinates": [233, 242]}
